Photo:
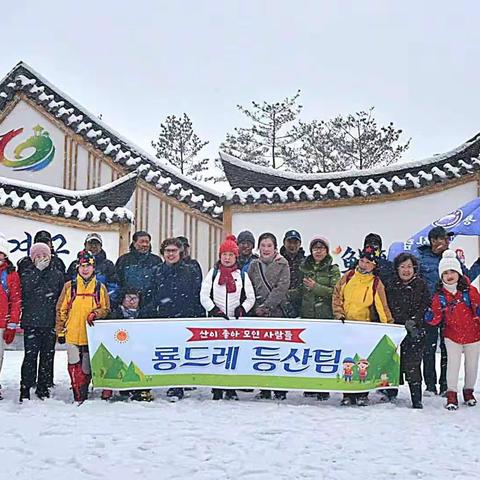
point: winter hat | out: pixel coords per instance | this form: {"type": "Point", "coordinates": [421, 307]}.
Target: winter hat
{"type": "Point", "coordinates": [370, 253]}
{"type": "Point", "coordinates": [229, 245]}
{"type": "Point", "coordinates": [449, 261]}
{"type": "Point", "coordinates": [94, 236]}
{"type": "Point", "coordinates": [292, 235]}
{"type": "Point", "coordinates": [42, 236]}
{"type": "Point", "coordinates": [319, 239]}
{"type": "Point", "coordinates": [85, 257]}
{"type": "Point", "coordinates": [373, 239]}
{"type": "Point", "coordinates": [38, 250]}
{"type": "Point", "coordinates": [246, 236]}
{"type": "Point", "coordinates": [4, 246]}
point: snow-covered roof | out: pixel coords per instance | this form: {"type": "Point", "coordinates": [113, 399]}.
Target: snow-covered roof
{"type": "Point", "coordinates": [105, 204]}
{"type": "Point", "coordinates": [162, 176]}
{"type": "Point", "coordinates": [253, 184]}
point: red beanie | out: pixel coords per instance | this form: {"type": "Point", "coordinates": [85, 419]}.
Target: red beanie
{"type": "Point", "coordinates": [229, 245]}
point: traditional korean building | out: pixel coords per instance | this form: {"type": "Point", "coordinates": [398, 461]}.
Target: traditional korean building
{"type": "Point", "coordinates": [51, 144]}
{"type": "Point", "coordinates": [396, 201]}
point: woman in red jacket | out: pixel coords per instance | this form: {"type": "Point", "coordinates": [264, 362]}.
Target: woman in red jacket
{"type": "Point", "coordinates": [456, 303]}
{"type": "Point", "coordinates": [10, 299]}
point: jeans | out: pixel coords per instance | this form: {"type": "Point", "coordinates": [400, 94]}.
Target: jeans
{"type": "Point", "coordinates": [429, 370]}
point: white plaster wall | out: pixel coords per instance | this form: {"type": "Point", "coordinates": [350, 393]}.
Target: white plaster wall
{"type": "Point", "coordinates": [17, 228]}
{"type": "Point", "coordinates": [347, 226]}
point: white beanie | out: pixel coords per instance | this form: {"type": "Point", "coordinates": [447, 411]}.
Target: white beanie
{"type": "Point", "coordinates": [4, 246]}
{"type": "Point", "coordinates": [449, 261]}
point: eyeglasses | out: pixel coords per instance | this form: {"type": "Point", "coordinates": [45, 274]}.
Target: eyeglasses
{"type": "Point", "coordinates": [130, 298]}
{"type": "Point", "coordinates": [171, 250]}
{"type": "Point", "coordinates": [319, 247]}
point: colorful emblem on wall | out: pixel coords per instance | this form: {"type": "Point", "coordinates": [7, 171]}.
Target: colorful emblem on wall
{"type": "Point", "coordinates": [38, 160]}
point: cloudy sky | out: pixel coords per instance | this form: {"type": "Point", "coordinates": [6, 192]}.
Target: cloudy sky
{"type": "Point", "coordinates": [137, 62]}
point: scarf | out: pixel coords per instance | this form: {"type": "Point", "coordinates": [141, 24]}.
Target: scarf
{"type": "Point", "coordinates": [450, 288]}
{"type": "Point", "coordinates": [129, 312]}
{"type": "Point", "coordinates": [226, 277]}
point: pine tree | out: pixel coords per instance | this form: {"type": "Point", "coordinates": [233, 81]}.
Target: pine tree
{"type": "Point", "coordinates": [179, 145]}
{"type": "Point", "coordinates": [270, 140]}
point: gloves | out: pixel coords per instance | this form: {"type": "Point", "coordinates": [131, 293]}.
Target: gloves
{"type": "Point", "coordinates": [42, 264]}
{"type": "Point", "coordinates": [216, 312]}
{"type": "Point", "coordinates": [411, 328]}
{"type": "Point", "coordinates": [61, 338]}
{"type": "Point", "coordinates": [342, 318]}
{"type": "Point", "coordinates": [9, 333]}
{"type": "Point", "coordinates": [91, 319]}
{"type": "Point", "coordinates": [262, 311]}
{"type": "Point", "coordinates": [428, 317]}
{"type": "Point", "coordinates": [240, 312]}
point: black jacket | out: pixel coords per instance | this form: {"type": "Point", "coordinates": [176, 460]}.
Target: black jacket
{"type": "Point", "coordinates": [40, 292]}
{"type": "Point", "coordinates": [26, 262]}
{"type": "Point", "coordinates": [294, 264]}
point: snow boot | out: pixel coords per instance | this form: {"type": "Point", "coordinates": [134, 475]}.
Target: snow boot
{"type": "Point", "coordinates": [280, 395]}
{"type": "Point", "coordinates": [217, 394]}
{"type": "Point", "coordinates": [42, 393]}
{"type": "Point", "coordinates": [264, 395]}
{"type": "Point", "coordinates": [347, 400]}
{"type": "Point", "coordinates": [362, 400]}
{"type": "Point", "coordinates": [231, 395]}
{"type": "Point", "coordinates": [175, 394]}
{"type": "Point", "coordinates": [142, 396]}
{"type": "Point", "coordinates": [468, 397]}
{"type": "Point", "coordinates": [416, 395]}
{"type": "Point", "coordinates": [323, 396]}
{"type": "Point", "coordinates": [452, 400]}
{"type": "Point", "coordinates": [106, 394]}
{"type": "Point", "coordinates": [24, 393]}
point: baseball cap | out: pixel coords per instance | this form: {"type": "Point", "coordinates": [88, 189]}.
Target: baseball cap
{"type": "Point", "coordinates": [292, 235]}
{"type": "Point", "coordinates": [439, 232]}
{"type": "Point", "coordinates": [94, 236]}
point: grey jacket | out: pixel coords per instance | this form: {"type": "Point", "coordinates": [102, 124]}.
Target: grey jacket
{"type": "Point", "coordinates": [277, 274]}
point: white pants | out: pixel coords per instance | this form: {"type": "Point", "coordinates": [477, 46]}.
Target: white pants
{"type": "Point", "coordinates": [2, 347]}
{"type": "Point", "coordinates": [454, 355]}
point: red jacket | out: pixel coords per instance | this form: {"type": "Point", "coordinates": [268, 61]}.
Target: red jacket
{"type": "Point", "coordinates": [11, 305]}
{"type": "Point", "coordinates": [462, 325]}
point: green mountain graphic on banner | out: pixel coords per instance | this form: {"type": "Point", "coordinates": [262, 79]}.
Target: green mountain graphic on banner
{"type": "Point", "coordinates": [105, 365]}
{"type": "Point", "coordinates": [384, 359]}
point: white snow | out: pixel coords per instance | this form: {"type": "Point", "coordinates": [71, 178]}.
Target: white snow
{"type": "Point", "coordinates": [249, 439]}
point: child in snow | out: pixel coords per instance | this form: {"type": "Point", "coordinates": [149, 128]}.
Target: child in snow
{"type": "Point", "coordinates": [227, 292]}
{"type": "Point", "coordinates": [457, 303]}
{"type": "Point", "coordinates": [81, 302]}
{"type": "Point", "coordinates": [10, 299]}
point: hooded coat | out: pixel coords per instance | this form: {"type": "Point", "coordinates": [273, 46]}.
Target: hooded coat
{"type": "Point", "coordinates": [11, 304]}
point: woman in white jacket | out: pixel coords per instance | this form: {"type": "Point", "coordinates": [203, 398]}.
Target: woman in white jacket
{"type": "Point", "coordinates": [227, 292]}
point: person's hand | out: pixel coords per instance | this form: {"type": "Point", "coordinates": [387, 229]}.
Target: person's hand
{"type": "Point", "coordinates": [61, 338]}
{"type": "Point", "coordinates": [9, 333]}
{"type": "Point", "coordinates": [342, 319]}
{"type": "Point", "coordinates": [240, 312]}
{"type": "Point", "coordinates": [216, 312]}
{"type": "Point", "coordinates": [91, 319]}
{"type": "Point", "coordinates": [309, 283]}
{"type": "Point", "coordinates": [411, 328]}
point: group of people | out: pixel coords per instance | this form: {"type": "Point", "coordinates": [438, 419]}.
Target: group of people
{"type": "Point", "coordinates": [430, 294]}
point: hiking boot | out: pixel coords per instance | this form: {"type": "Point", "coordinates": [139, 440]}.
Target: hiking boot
{"type": "Point", "coordinates": [175, 394]}
{"type": "Point", "coordinates": [442, 392]}
{"type": "Point", "coordinates": [264, 395]}
{"type": "Point", "coordinates": [468, 397]}
{"type": "Point", "coordinates": [347, 401]}
{"type": "Point", "coordinates": [430, 391]}
{"type": "Point", "coordinates": [362, 401]}
{"type": "Point", "coordinates": [142, 396]}
{"type": "Point", "coordinates": [106, 394]}
{"type": "Point", "coordinates": [217, 394]}
{"type": "Point", "coordinates": [416, 395]}
{"type": "Point", "coordinates": [452, 401]}
{"type": "Point", "coordinates": [24, 393]}
{"type": "Point", "coordinates": [280, 395]}
{"type": "Point", "coordinates": [323, 396]}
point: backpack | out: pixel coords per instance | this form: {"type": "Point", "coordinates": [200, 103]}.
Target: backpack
{"type": "Point", "coordinates": [95, 294]}
{"type": "Point", "coordinates": [465, 299]}
{"type": "Point", "coordinates": [243, 295]}
{"type": "Point", "coordinates": [3, 280]}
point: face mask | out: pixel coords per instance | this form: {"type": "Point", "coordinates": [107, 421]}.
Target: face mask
{"type": "Point", "coordinates": [42, 264]}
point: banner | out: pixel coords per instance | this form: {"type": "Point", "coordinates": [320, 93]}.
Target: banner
{"type": "Point", "coordinates": [279, 354]}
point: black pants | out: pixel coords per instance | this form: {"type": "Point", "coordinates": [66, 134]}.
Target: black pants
{"type": "Point", "coordinates": [38, 343]}
{"type": "Point", "coordinates": [429, 370]}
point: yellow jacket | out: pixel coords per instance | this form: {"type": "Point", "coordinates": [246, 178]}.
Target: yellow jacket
{"type": "Point", "coordinates": [72, 316]}
{"type": "Point", "coordinates": [353, 300]}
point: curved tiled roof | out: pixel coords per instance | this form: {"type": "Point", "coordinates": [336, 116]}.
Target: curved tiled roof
{"type": "Point", "coordinates": [105, 204]}
{"type": "Point", "coordinates": [254, 184]}
{"type": "Point", "coordinates": [162, 176]}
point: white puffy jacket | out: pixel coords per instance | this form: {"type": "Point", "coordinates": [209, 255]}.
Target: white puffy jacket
{"type": "Point", "coordinates": [226, 302]}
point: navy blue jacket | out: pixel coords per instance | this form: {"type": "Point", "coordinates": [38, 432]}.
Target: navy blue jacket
{"type": "Point", "coordinates": [429, 267]}
{"type": "Point", "coordinates": [177, 291]}
{"type": "Point", "coordinates": [385, 270]}
{"type": "Point", "coordinates": [137, 270]}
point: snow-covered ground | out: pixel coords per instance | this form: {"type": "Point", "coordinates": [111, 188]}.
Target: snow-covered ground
{"type": "Point", "coordinates": [249, 439]}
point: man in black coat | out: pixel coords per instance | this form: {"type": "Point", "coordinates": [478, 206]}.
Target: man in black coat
{"type": "Point", "coordinates": [294, 254]}
{"type": "Point", "coordinates": [42, 284]}
{"type": "Point", "coordinates": [384, 268]}
{"type": "Point", "coordinates": [136, 269]}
